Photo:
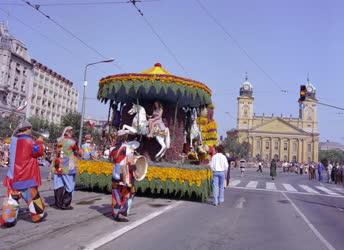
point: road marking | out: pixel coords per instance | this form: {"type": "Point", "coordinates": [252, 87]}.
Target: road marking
{"type": "Point", "coordinates": [289, 187]}
{"type": "Point", "coordinates": [271, 185]}
{"type": "Point", "coordinates": [282, 191]}
{"type": "Point", "coordinates": [252, 184]}
{"type": "Point", "coordinates": [328, 191]}
{"type": "Point", "coordinates": [341, 190]}
{"type": "Point", "coordinates": [240, 203]}
{"type": "Point", "coordinates": [234, 183]}
{"type": "Point", "coordinates": [309, 224]}
{"type": "Point", "coordinates": [114, 235]}
{"type": "Point", "coordinates": [308, 189]}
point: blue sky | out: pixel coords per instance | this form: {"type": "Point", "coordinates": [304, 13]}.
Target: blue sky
{"type": "Point", "coordinates": [289, 39]}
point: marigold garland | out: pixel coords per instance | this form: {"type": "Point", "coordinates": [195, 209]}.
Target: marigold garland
{"type": "Point", "coordinates": [192, 176]}
{"type": "Point", "coordinates": [162, 78]}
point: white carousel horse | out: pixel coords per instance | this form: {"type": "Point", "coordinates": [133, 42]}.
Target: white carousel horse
{"type": "Point", "coordinates": [195, 132]}
{"type": "Point", "coordinates": [140, 127]}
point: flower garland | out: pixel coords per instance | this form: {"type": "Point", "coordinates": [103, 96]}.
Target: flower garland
{"type": "Point", "coordinates": [192, 176]}
{"type": "Point", "coordinates": [168, 79]}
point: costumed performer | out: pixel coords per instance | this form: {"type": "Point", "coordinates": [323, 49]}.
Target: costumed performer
{"type": "Point", "coordinates": [64, 169]}
{"type": "Point", "coordinates": [23, 177]}
{"type": "Point", "coordinates": [123, 189]}
{"type": "Point", "coordinates": [88, 149]}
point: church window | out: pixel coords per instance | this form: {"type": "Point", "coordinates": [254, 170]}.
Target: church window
{"type": "Point", "coordinates": [276, 145]}
{"type": "Point", "coordinates": [285, 146]}
{"type": "Point", "coordinates": [258, 145]}
{"type": "Point", "coordinates": [309, 147]}
{"type": "Point", "coordinates": [294, 147]}
{"type": "Point", "coordinates": [267, 145]}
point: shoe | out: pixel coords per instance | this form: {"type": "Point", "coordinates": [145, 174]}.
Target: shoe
{"type": "Point", "coordinates": [121, 218]}
{"type": "Point", "coordinates": [67, 208]}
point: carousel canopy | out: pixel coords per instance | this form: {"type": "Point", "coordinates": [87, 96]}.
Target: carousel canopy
{"type": "Point", "coordinates": [155, 83]}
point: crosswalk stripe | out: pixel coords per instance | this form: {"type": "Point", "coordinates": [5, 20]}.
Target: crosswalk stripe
{"type": "Point", "coordinates": [308, 189]}
{"type": "Point", "coordinates": [252, 184]}
{"type": "Point", "coordinates": [234, 183]}
{"type": "Point", "coordinates": [340, 190]}
{"type": "Point", "coordinates": [328, 191]}
{"type": "Point", "coordinates": [289, 188]}
{"type": "Point", "coordinates": [270, 185]}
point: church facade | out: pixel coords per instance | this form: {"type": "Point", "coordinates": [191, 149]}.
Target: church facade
{"type": "Point", "coordinates": [293, 139]}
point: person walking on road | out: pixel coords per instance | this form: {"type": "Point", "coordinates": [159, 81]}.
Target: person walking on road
{"type": "Point", "coordinates": [64, 169]}
{"type": "Point", "coordinates": [260, 167]}
{"type": "Point", "coordinates": [273, 169]}
{"type": "Point", "coordinates": [320, 169]}
{"type": "Point", "coordinates": [23, 177]}
{"type": "Point", "coordinates": [329, 170]}
{"type": "Point", "coordinates": [219, 166]}
{"type": "Point", "coordinates": [242, 167]}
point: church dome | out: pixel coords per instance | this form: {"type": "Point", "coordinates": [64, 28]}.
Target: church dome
{"type": "Point", "coordinates": [310, 87]}
{"type": "Point", "coordinates": [246, 87]}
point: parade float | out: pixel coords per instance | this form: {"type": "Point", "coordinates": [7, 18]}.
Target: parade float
{"type": "Point", "coordinates": [186, 136]}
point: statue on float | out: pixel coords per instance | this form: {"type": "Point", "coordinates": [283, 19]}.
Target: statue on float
{"type": "Point", "coordinates": [152, 128]}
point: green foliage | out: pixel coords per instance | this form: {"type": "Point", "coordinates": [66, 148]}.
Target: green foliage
{"type": "Point", "coordinates": [236, 149]}
{"type": "Point", "coordinates": [42, 125]}
{"type": "Point", "coordinates": [8, 124]}
{"type": "Point", "coordinates": [72, 119]}
{"type": "Point", "coordinates": [331, 155]}
{"type": "Point", "coordinates": [155, 187]}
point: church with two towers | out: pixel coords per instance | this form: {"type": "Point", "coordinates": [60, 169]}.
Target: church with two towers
{"type": "Point", "coordinates": [293, 139]}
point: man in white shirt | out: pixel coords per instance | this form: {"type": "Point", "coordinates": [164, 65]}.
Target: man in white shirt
{"type": "Point", "coordinates": [219, 166]}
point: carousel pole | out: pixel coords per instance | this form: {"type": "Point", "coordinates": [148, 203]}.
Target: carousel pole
{"type": "Point", "coordinates": [175, 119]}
{"type": "Point", "coordinates": [138, 116]}
{"type": "Point", "coordinates": [108, 121]}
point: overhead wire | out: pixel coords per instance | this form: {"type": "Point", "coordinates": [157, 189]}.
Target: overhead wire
{"type": "Point", "coordinates": [236, 42]}
{"type": "Point", "coordinates": [80, 4]}
{"type": "Point", "coordinates": [37, 8]}
{"type": "Point", "coordinates": [36, 30]}
{"type": "Point", "coordinates": [168, 49]}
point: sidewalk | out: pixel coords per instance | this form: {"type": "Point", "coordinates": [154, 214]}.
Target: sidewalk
{"type": "Point", "coordinates": [90, 220]}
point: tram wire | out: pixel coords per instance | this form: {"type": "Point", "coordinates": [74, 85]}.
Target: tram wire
{"type": "Point", "coordinates": [236, 42]}
{"type": "Point", "coordinates": [168, 49]}
{"type": "Point", "coordinates": [37, 8]}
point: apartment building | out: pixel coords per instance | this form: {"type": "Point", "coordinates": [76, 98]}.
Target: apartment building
{"type": "Point", "coordinates": [52, 95]}
{"type": "Point", "coordinates": [15, 74]}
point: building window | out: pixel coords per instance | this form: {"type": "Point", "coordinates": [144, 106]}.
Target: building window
{"type": "Point", "coordinates": [276, 145]}
{"type": "Point", "coordinates": [258, 145]}
{"type": "Point", "coordinates": [285, 147]}
{"type": "Point", "coordinates": [309, 147]}
{"type": "Point", "coordinates": [294, 147]}
{"type": "Point", "coordinates": [267, 145]}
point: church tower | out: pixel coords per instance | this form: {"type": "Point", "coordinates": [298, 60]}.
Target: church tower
{"type": "Point", "coordinates": [245, 106]}
{"type": "Point", "coordinates": [308, 110]}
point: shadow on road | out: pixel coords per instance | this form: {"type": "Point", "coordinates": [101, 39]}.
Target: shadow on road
{"type": "Point", "coordinates": [319, 203]}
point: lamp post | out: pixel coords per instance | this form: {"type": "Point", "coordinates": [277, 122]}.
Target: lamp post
{"type": "Point", "coordinates": [84, 97]}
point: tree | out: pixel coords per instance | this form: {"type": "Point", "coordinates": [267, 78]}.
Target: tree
{"type": "Point", "coordinates": [234, 147]}
{"type": "Point", "coordinates": [72, 119]}
{"type": "Point", "coordinates": [331, 155]}
{"type": "Point", "coordinates": [41, 126]}
{"type": "Point", "coordinates": [8, 124]}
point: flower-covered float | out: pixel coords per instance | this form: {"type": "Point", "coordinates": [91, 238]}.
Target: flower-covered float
{"type": "Point", "coordinates": [162, 112]}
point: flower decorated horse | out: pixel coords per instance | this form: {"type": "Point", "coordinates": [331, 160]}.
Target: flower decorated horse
{"type": "Point", "coordinates": [140, 127]}
{"type": "Point", "coordinates": [195, 132]}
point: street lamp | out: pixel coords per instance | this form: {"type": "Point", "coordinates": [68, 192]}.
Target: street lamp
{"type": "Point", "coordinates": [84, 97]}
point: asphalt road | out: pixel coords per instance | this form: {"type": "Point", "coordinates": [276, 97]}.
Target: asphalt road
{"type": "Point", "coordinates": [248, 219]}
{"type": "Point", "coordinates": [262, 217]}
